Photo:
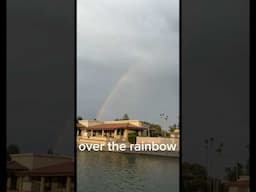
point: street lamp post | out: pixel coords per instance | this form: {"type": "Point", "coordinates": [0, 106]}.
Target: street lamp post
{"type": "Point", "coordinates": [178, 121]}
{"type": "Point", "coordinates": [164, 117]}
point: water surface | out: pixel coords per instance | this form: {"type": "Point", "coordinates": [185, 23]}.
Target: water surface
{"type": "Point", "coordinates": [120, 172]}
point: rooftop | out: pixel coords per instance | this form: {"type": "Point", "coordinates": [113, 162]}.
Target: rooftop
{"type": "Point", "coordinates": [41, 155]}
{"type": "Point", "coordinates": [61, 169]}
{"type": "Point", "coordinates": [15, 166]}
{"type": "Point", "coordinates": [41, 165]}
{"type": "Point", "coordinates": [114, 126]}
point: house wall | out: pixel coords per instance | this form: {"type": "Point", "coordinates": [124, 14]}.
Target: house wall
{"type": "Point", "coordinates": [238, 189]}
{"type": "Point", "coordinates": [158, 140]}
{"type": "Point", "coordinates": [91, 140]}
{"type": "Point", "coordinates": [134, 122]}
{"type": "Point", "coordinates": [27, 184]}
{"type": "Point", "coordinates": [88, 123]}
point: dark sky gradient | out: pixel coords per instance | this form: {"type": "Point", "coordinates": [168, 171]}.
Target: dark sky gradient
{"type": "Point", "coordinates": [215, 79]}
{"type": "Point", "coordinates": [40, 75]}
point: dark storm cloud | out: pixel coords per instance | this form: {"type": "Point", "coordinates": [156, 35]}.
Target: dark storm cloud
{"type": "Point", "coordinates": [40, 81]}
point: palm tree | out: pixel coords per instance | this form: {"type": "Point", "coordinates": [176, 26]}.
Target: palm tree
{"type": "Point", "coordinates": [209, 157]}
{"type": "Point", "coordinates": [219, 149]}
{"type": "Point", "coordinates": [247, 166]}
{"type": "Point", "coordinates": [211, 153]}
{"type": "Point", "coordinates": [233, 173]}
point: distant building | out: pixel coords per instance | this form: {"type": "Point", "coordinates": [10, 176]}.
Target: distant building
{"type": "Point", "coordinates": [241, 185]}
{"type": "Point", "coordinates": [40, 172]}
{"type": "Point", "coordinates": [103, 131]}
{"type": "Point", "coordinates": [175, 133]}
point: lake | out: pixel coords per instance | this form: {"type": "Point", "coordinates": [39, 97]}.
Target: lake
{"type": "Point", "coordinates": [120, 172]}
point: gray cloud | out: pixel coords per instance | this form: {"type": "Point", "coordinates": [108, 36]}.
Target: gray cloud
{"type": "Point", "coordinates": [128, 58]}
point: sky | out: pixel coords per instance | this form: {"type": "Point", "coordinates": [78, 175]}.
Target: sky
{"type": "Point", "coordinates": [128, 59]}
{"type": "Point", "coordinates": [127, 63]}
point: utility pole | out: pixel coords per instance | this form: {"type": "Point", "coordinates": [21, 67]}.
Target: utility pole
{"type": "Point", "coordinates": [164, 117]}
{"type": "Point", "coordinates": [207, 163]}
{"type": "Point", "coordinates": [178, 121]}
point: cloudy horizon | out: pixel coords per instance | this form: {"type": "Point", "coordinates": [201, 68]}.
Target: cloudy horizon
{"type": "Point", "coordinates": [128, 59]}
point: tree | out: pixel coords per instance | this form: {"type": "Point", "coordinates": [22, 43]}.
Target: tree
{"type": "Point", "coordinates": [247, 167]}
{"type": "Point", "coordinates": [8, 157]}
{"type": "Point", "coordinates": [194, 177]}
{"type": "Point", "coordinates": [50, 151]}
{"type": "Point", "coordinates": [125, 117]}
{"type": "Point", "coordinates": [13, 149]}
{"type": "Point", "coordinates": [219, 149]}
{"type": "Point", "coordinates": [173, 127]}
{"type": "Point", "coordinates": [232, 173]}
{"type": "Point", "coordinates": [155, 129]}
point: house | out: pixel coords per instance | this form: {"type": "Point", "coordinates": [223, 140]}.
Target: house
{"type": "Point", "coordinates": [240, 185]}
{"type": "Point", "coordinates": [175, 133]}
{"type": "Point", "coordinates": [94, 131]}
{"type": "Point", "coordinates": [40, 172]}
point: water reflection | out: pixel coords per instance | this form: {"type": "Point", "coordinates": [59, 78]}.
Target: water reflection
{"type": "Point", "coordinates": [118, 172]}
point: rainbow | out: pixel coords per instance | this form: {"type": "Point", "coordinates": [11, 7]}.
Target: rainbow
{"type": "Point", "coordinates": [114, 91]}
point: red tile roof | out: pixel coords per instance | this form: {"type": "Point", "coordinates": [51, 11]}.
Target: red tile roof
{"type": "Point", "coordinates": [244, 183]}
{"type": "Point", "coordinates": [14, 166]}
{"type": "Point", "coordinates": [61, 169]}
{"type": "Point", "coordinates": [113, 126]}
